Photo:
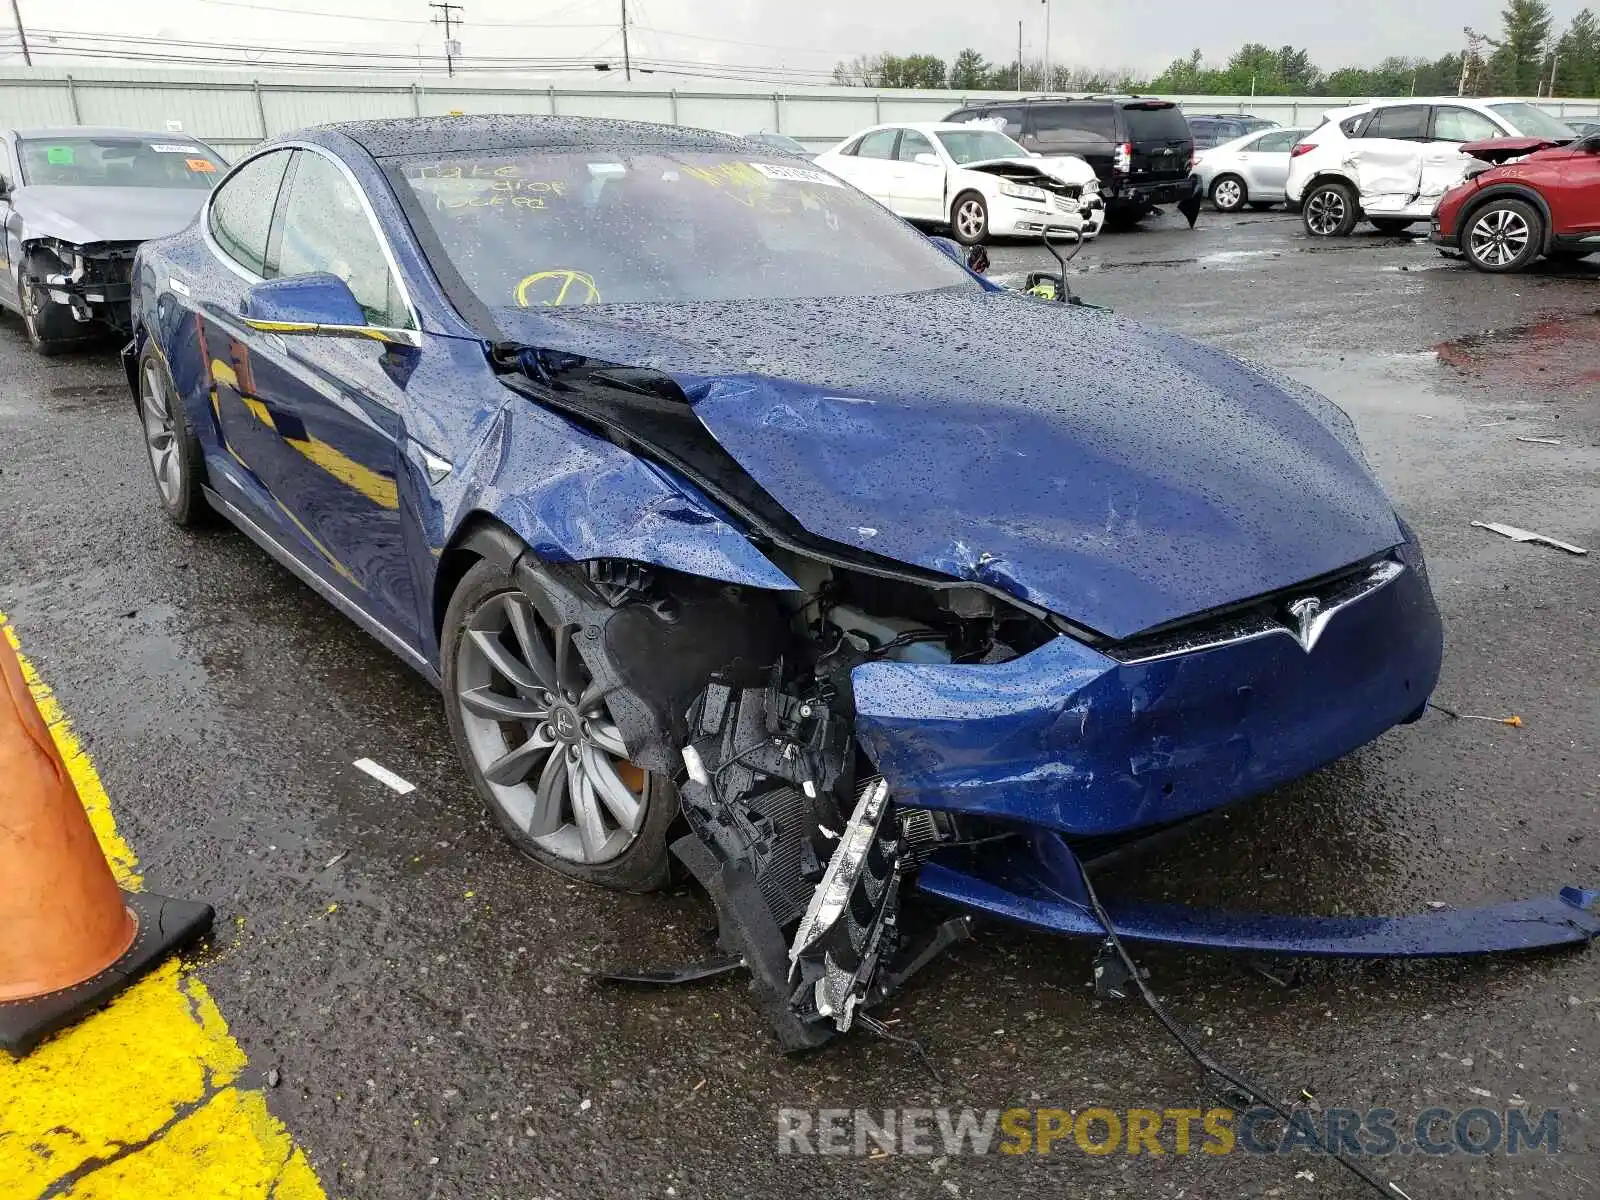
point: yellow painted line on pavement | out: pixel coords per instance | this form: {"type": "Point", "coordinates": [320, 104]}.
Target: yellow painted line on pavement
{"type": "Point", "coordinates": [142, 1100]}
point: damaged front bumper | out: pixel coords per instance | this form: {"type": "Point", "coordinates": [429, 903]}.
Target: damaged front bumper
{"type": "Point", "coordinates": [93, 282]}
{"type": "Point", "coordinates": [1070, 739]}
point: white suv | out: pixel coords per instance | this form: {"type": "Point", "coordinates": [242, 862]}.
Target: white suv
{"type": "Point", "coordinates": [1390, 162]}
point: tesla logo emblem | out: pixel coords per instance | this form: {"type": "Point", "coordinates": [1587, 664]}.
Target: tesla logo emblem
{"type": "Point", "coordinates": [565, 725]}
{"type": "Point", "coordinates": [1309, 621]}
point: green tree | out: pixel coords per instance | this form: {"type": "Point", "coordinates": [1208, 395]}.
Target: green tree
{"type": "Point", "coordinates": [1577, 66]}
{"type": "Point", "coordinates": [1518, 66]}
{"type": "Point", "coordinates": [969, 71]}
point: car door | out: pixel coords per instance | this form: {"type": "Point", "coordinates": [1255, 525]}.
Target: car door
{"type": "Point", "coordinates": [237, 228]}
{"type": "Point", "coordinates": [1575, 204]}
{"type": "Point", "coordinates": [870, 164]}
{"type": "Point", "coordinates": [10, 247]}
{"type": "Point", "coordinates": [1443, 164]}
{"type": "Point", "coordinates": [918, 188]}
{"type": "Point", "coordinates": [1268, 156]}
{"type": "Point", "coordinates": [329, 407]}
{"type": "Point", "coordinates": [1386, 159]}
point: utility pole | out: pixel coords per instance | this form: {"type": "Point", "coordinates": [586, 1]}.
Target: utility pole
{"type": "Point", "coordinates": [1019, 56]}
{"type": "Point", "coordinates": [627, 63]}
{"type": "Point", "coordinates": [448, 10]}
{"type": "Point", "coordinates": [1046, 45]}
{"type": "Point", "coordinates": [1555, 63]}
{"type": "Point", "coordinates": [22, 34]}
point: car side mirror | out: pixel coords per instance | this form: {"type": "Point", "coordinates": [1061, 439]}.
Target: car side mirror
{"type": "Point", "coordinates": [1591, 143]}
{"type": "Point", "coordinates": [316, 303]}
{"type": "Point", "coordinates": [927, 160]}
{"type": "Point", "coordinates": [975, 260]}
{"type": "Point", "coordinates": [5, 188]}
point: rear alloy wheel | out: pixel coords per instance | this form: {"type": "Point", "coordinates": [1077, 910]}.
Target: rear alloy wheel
{"type": "Point", "coordinates": [539, 742]}
{"type": "Point", "coordinates": [1503, 236]}
{"type": "Point", "coordinates": [1229, 193]}
{"type": "Point", "coordinates": [969, 218]}
{"type": "Point", "coordinates": [1330, 210]}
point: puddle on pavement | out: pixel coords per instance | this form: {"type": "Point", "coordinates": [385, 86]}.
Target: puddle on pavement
{"type": "Point", "coordinates": [1564, 352]}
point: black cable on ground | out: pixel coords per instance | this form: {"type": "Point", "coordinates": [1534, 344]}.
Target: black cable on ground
{"type": "Point", "coordinates": [1186, 1040]}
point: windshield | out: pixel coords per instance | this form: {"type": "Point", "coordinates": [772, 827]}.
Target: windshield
{"type": "Point", "coordinates": [118, 162]}
{"type": "Point", "coordinates": [531, 229]}
{"type": "Point", "coordinates": [979, 145]}
{"type": "Point", "coordinates": [1533, 122]}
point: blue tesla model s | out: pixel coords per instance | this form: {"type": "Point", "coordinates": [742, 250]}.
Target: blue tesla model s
{"type": "Point", "coordinates": [741, 525]}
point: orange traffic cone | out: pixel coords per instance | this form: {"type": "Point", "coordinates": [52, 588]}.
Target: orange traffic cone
{"type": "Point", "coordinates": [70, 940]}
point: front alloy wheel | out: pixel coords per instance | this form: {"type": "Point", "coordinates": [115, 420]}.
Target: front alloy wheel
{"type": "Point", "coordinates": [541, 745]}
{"type": "Point", "coordinates": [1503, 236]}
{"type": "Point", "coordinates": [970, 218]}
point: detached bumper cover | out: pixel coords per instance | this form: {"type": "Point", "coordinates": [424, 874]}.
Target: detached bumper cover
{"type": "Point", "coordinates": [1038, 883]}
{"type": "Point", "coordinates": [1068, 739]}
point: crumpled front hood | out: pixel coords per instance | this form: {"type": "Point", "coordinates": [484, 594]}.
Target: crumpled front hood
{"type": "Point", "coordinates": [82, 215]}
{"type": "Point", "coordinates": [1120, 476]}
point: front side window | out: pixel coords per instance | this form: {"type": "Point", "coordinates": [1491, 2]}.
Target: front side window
{"type": "Point", "coordinates": [1452, 124]}
{"type": "Point", "coordinates": [978, 145]}
{"type": "Point", "coordinates": [241, 211]}
{"type": "Point", "coordinates": [912, 144]}
{"type": "Point", "coordinates": [326, 228]}
{"type": "Point", "coordinates": [650, 225]}
{"type": "Point", "coordinates": [119, 161]}
{"type": "Point", "coordinates": [878, 144]}
{"type": "Point", "coordinates": [1405, 122]}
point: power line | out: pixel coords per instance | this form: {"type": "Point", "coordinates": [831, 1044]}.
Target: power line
{"type": "Point", "coordinates": [333, 16]}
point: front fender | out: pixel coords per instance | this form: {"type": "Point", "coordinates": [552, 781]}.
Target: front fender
{"type": "Point", "coordinates": [571, 496]}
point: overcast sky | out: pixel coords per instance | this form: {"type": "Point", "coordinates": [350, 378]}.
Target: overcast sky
{"type": "Point", "coordinates": [805, 34]}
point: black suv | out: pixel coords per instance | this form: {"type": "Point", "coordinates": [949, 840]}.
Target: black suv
{"type": "Point", "coordinates": [1139, 146]}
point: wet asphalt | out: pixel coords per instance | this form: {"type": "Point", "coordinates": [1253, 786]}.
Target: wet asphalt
{"type": "Point", "coordinates": [424, 994]}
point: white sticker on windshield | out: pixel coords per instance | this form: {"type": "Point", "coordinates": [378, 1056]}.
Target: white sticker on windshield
{"type": "Point", "coordinates": [796, 174]}
{"type": "Point", "coordinates": [166, 148]}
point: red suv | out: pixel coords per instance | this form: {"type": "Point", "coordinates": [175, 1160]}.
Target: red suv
{"type": "Point", "coordinates": [1535, 198]}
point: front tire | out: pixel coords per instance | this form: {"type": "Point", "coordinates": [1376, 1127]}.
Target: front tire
{"type": "Point", "coordinates": [1330, 210]}
{"type": "Point", "coordinates": [969, 218]}
{"type": "Point", "coordinates": [539, 744]}
{"type": "Point", "coordinates": [1503, 236]}
{"type": "Point", "coordinates": [51, 327]}
{"type": "Point", "coordinates": [176, 460]}
{"type": "Point", "coordinates": [1229, 193]}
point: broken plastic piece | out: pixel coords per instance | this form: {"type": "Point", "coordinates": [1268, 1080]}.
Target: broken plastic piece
{"type": "Point", "coordinates": [1040, 884]}
{"type": "Point", "coordinates": [672, 976]}
{"type": "Point", "coordinates": [1523, 535]}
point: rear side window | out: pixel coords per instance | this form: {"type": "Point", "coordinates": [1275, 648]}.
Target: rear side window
{"type": "Point", "coordinates": [1082, 122]}
{"type": "Point", "coordinates": [1280, 142]}
{"type": "Point", "coordinates": [879, 144]}
{"type": "Point", "coordinates": [1405, 122]}
{"type": "Point", "coordinates": [1163, 123]}
{"type": "Point", "coordinates": [241, 210]}
{"type": "Point", "coordinates": [1353, 127]}
{"type": "Point", "coordinates": [1009, 120]}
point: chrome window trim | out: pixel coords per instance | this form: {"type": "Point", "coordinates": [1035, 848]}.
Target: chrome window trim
{"type": "Point", "coordinates": [1251, 626]}
{"type": "Point", "coordinates": [366, 207]}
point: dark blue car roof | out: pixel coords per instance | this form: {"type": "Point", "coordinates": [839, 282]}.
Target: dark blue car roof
{"type": "Point", "coordinates": [437, 135]}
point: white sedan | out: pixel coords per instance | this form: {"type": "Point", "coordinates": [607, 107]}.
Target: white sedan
{"type": "Point", "coordinates": [1252, 169]}
{"type": "Point", "coordinates": [972, 178]}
